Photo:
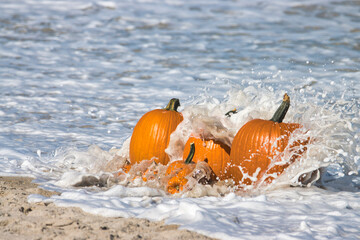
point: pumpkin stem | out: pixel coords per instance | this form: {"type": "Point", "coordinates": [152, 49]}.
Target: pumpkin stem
{"type": "Point", "coordinates": [280, 113]}
{"type": "Point", "coordinates": [173, 104]}
{"type": "Point", "coordinates": [228, 114]}
{"type": "Point", "coordinates": [191, 154]}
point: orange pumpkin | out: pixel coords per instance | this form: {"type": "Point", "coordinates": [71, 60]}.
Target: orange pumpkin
{"type": "Point", "coordinates": [151, 134]}
{"type": "Point", "coordinates": [216, 153]}
{"type": "Point", "coordinates": [259, 144]}
{"type": "Point", "coordinates": [178, 171]}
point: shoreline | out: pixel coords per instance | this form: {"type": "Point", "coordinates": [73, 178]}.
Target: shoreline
{"type": "Point", "coordinates": [22, 220]}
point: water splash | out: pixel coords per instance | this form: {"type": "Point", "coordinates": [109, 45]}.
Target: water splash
{"type": "Point", "coordinates": [333, 126]}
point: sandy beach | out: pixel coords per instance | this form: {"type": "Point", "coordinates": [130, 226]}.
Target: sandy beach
{"type": "Point", "coordinates": [22, 220]}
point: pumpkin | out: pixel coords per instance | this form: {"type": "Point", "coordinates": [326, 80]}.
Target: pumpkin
{"type": "Point", "coordinates": [151, 134]}
{"type": "Point", "coordinates": [178, 170]}
{"type": "Point", "coordinates": [259, 145]}
{"type": "Point", "coordinates": [212, 151]}
{"type": "Point", "coordinates": [216, 153]}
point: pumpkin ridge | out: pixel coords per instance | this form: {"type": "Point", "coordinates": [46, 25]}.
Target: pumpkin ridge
{"type": "Point", "coordinates": [262, 144]}
{"type": "Point", "coordinates": [275, 139]}
{"type": "Point", "coordinates": [246, 138]}
{"type": "Point", "coordinates": [261, 140]}
{"type": "Point", "coordinates": [158, 135]}
{"type": "Point", "coordinates": [223, 155]}
{"type": "Point", "coordinates": [252, 136]}
{"type": "Point", "coordinates": [166, 137]}
{"type": "Point", "coordinates": [274, 134]}
{"type": "Point", "coordinates": [272, 128]}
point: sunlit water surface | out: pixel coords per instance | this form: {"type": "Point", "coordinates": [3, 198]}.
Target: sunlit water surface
{"type": "Point", "coordinates": [77, 75]}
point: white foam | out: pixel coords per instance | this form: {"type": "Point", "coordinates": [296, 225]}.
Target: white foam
{"type": "Point", "coordinates": [76, 76]}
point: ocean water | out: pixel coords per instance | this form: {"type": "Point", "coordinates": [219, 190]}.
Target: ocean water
{"type": "Point", "coordinates": [75, 77]}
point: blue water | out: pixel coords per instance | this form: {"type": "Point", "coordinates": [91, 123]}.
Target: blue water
{"type": "Point", "coordinates": [71, 71]}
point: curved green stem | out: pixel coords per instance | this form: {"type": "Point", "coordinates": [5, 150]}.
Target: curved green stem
{"type": "Point", "coordinates": [228, 114]}
{"type": "Point", "coordinates": [173, 104]}
{"type": "Point", "coordinates": [191, 154]}
{"type": "Point", "coordinates": [280, 113]}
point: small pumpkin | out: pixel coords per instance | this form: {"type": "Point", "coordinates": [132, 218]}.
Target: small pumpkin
{"type": "Point", "coordinates": [213, 151]}
{"type": "Point", "coordinates": [151, 134]}
{"type": "Point", "coordinates": [216, 153]}
{"type": "Point", "coordinates": [178, 170]}
{"type": "Point", "coordinates": [259, 144]}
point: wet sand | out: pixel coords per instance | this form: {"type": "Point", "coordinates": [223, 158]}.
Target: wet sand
{"type": "Point", "coordinates": [22, 220]}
